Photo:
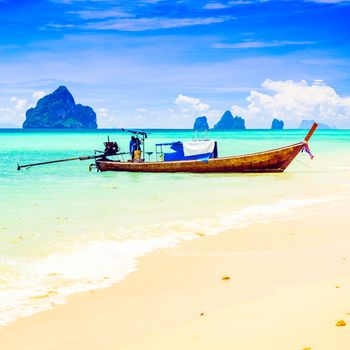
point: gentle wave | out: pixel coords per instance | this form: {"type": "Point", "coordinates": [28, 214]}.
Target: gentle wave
{"type": "Point", "coordinates": [41, 283]}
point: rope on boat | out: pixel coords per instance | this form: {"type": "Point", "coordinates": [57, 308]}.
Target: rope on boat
{"type": "Point", "coordinates": [302, 163]}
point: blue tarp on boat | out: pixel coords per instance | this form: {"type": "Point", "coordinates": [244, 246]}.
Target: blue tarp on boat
{"type": "Point", "coordinates": [179, 154]}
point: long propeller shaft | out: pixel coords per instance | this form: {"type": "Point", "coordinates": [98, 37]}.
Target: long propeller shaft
{"type": "Point", "coordinates": [19, 167]}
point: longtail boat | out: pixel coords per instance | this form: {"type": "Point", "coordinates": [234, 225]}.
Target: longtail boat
{"type": "Point", "coordinates": [272, 161]}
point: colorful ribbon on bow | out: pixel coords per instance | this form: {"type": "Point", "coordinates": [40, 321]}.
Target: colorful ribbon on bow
{"type": "Point", "coordinates": [307, 150]}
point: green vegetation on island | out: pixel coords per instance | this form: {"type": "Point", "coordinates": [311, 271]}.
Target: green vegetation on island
{"type": "Point", "coordinates": [59, 111]}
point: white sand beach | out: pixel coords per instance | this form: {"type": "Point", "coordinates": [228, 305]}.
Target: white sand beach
{"type": "Point", "coordinates": [287, 285]}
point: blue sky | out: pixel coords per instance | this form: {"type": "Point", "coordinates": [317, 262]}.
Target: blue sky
{"type": "Point", "coordinates": [155, 63]}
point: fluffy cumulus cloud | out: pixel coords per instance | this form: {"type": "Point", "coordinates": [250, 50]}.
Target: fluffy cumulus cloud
{"type": "Point", "coordinates": [13, 113]}
{"type": "Point", "coordinates": [191, 104]}
{"type": "Point", "coordinates": [294, 101]}
{"type": "Point", "coordinates": [8, 117]}
{"type": "Point", "coordinates": [19, 104]}
{"type": "Point", "coordinates": [188, 108]}
{"type": "Point", "coordinates": [12, 110]}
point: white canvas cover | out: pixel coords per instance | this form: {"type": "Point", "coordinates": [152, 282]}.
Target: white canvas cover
{"type": "Point", "coordinates": [194, 148]}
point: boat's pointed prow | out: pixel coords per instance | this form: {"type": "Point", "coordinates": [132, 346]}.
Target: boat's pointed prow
{"type": "Point", "coordinates": [310, 133]}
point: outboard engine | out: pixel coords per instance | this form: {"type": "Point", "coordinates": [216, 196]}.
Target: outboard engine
{"type": "Point", "coordinates": [111, 148]}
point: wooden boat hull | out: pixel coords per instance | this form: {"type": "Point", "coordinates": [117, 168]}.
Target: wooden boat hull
{"type": "Point", "coordinates": [273, 161]}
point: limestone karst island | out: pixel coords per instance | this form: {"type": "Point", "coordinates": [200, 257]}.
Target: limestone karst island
{"type": "Point", "coordinates": [226, 122]}
{"type": "Point", "coordinates": [59, 111]}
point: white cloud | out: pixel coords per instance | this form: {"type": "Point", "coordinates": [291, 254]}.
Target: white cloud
{"type": "Point", "coordinates": [260, 44]}
{"type": "Point", "coordinates": [294, 101]}
{"type": "Point", "coordinates": [101, 14]}
{"type": "Point", "coordinates": [215, 6]}
{"type": "Point", "coordinates": [191, 103]}
{"type": "Point", "coordinates": [188, 109]}
{"type": "Point", "coordinates": [97, 1]}
{"type": "Point", "coordinates": [218, 5]}
{"type": "Point", "coordinates": [57, 26]}
{"type": "Point", "coordinates": [14, 113]}
{"type": "Point", "coordinates": [103, 112]}
{"type": "Point", "coordinates": [329, 1]}
{"type": "Point", "coordinates": [37, 95]}
{"type": "Point", "coordinates": [20, 104]}
{"type": "Point", "coordinates": [106, 119]}
{"type": "Point", "coordinates": [143, 24]}
{"type": "Point", "coordinates": [9, 116]}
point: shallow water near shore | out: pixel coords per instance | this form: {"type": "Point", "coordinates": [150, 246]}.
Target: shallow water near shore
{"type": "Point", "coordinates": [65, 229]}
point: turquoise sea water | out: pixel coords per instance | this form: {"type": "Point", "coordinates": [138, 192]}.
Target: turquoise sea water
{"type": "Point", "coordinates": [64, 229]}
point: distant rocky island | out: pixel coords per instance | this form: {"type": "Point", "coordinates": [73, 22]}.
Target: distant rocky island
{"type": "Point", "coordinates": [306, 124]}
{"type": "Point", "coordinates": [228, 122]}
{"type": "Point", "coordinates": [277, 124]}
{"type": "Point", "coordinates": [201, 124]}
{"type": "Point", "coordinates": [58, 110]}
